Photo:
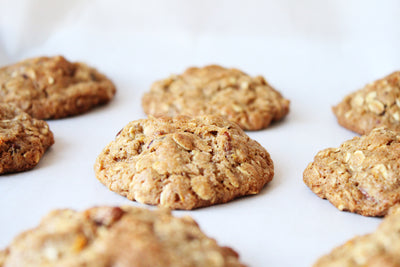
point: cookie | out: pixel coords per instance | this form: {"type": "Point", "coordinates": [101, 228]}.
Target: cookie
{"type": "Point", "coordinates": [52, 87]}
{"type": "Point", "coordinates": [376, 105]}
{"type": "Point", "coordinates": [23, 140]}
{"type": "Point", "coordinates": [184, 162]}
{"type": "Point", "coordinates": [361, 176]}
{"type": "Point", "coordinates": [213, 90]}
{"type": "Point", "coordinates": [113, 236]}
{"type": "Point", "coordinates": [378, 249]}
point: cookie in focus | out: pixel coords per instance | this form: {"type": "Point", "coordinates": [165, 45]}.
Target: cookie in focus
{"type": "Point", "coordinates": [184, 162]}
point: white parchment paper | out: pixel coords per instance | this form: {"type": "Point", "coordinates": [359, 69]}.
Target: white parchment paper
{"type": "Point", "coordinates": [314, 52]}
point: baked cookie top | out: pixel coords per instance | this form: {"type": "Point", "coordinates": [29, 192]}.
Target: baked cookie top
{"type": "Point", "coordinates": [362, 175]}
{"type": "Point", "coordinates": [23, 140]}
{"type": "Point", "coordinates": [213, 90]}
{"type": "Point", "coordinates": [184, 162]}
{"type": "Point", "coordinates": [113, 236]}
{"type": "Point", "coordinates": [376, 105]}
{"type": "Point", "coordinates": [379, 249]}
{"type": "Point", "coordinates": [52, 87]}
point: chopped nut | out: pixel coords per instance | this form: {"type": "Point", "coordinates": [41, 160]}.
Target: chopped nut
{"type": "Point", "coordinates": [107, 216]}
{"type": "Point", "coordinates": [376, 107]}
{"type": "Point", "coordinates": [80, 243]}
{"type": "Point", "coordinates": [347, 114]}
{"type": "Point", "coordinates": [51, 253]}
{"type": "Point", "coordinates": [370, 96]}
{"type": "Point", "coordinates": [232, 80]}
{"type": "Point", "coordinates": [358, 100]}
{"type": "Point", "coordinates": [50, 80]}
{"type": "Point", "coordinates": [244, 85]}
{"type": "Point", "coordinates": [358, 157]}
{"type": "Point", "coordinates": [237, 108]}
{"type": "Point", "coordinates": [348, 155]}
{"type": "Point", "coordinates": [396, 116]}
{"type": "Point", "coordinates": [132, 132]}
{"type": "Point", "coordinates": [45, 130]}
{"type": "Point", "coordinates": [324, 153]}
{"type": "Point", "coordinates": [31, 73]}
{"type": "Point", "coordinates": [380, 169]}
{"type": "Point", "coordinates": [341, 207]}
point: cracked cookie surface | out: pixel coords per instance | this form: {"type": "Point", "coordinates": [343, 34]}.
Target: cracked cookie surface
{"type": "Point", "coordinates": [376, 105]}
{"type": "Point", "coordinates": [378, 249]}
{"type": "Point", "coordinates": [52, 87]}
{"type": "Point", "coordinates": [184, 162]}
{"type": "Point", "coordinates": [213, 90]}
{"type": "Point", "coordinates": [361, 176]}
{"type": "Point", "coordinates": [23, 140]}
{"type": "Point", "coordinates": [116, 236]}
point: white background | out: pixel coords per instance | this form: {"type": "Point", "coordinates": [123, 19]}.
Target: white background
{"type": "Point", "coordinates": [314, 52]}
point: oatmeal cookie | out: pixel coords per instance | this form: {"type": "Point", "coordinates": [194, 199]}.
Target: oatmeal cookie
{"type": "Point", "coordinates": [184, 162]}
{"type": "Point", "coordinates": [379, 249]}
{"type": "Point", "coordinates": [23, 140]}
{"type": "Point", "coordinates": [376, 105]}
{"type": "Point", "coordinates": [52, 87]}
{"type": "Point", "coordinates": [114, 236]}
{"type": "Point", "coordinates": [361, 176]}
{"type": "Point", "coordinates": [213, 90]}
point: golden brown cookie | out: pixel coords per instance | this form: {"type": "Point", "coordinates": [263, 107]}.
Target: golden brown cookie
{"type": "Point", "coordinates": [113, 236]}
{"type": "Point", "coordinates": [376, 105]}
{"type": "Point", "coordinates": [361, 176]}
{"type": "Point", "coordinates": [23, 140]}
{"type": "Point", "coordinates": [52, 87]}
{"type": "Point", "coordinates": [379, 249]}
{"type": "Point", "coordinates": [213, 90]}
{"type": "Point", "coordinates": [184, 162]}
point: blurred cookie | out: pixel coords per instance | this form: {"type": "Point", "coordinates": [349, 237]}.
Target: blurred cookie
{"type": "Point", "coordinates": [362, 175]}
{"type": "Point", "coordinates": [113, 236]}
{"type": "Point", "coordinates": [376, 105]}
{"type": "Point", "coordinates": [23, 140]}
{"type": "Point", "coordinates": [379, 249]}
{"type": "Point", "coordinates": [213, 90]}
{"type": "Point", "coordinates": [184, 162]}
{"type": "Point", "coordinates": [52, 87]}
